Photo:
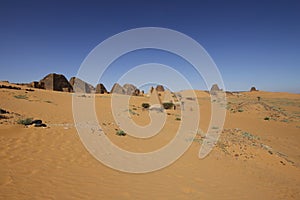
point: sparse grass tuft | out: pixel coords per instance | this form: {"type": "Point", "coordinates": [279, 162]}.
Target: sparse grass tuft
{"type": "Point", "coordinates": [132, 112]}
{"type": "Point", "coordinates": [21, 96]}
{"type": "Point", "coordinates": [249, 136]}
{"type": "Point", "coordinates": [285, 120]}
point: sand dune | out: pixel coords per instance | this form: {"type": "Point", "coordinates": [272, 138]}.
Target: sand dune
{"type": "Point", "coordinates": [257, 155]}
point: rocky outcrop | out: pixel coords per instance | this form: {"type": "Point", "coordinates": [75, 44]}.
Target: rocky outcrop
{"type": "Point", "coordinates": [56, 82]}
{"type": "Point", "coordinates": [81, 86]}
{"type": "Point", "coordinates": [100, 89]}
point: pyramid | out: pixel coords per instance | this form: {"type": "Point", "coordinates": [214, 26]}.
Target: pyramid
{"type": "Point", "coordinates": [100, 89]}
{"type": "Point", "coordinates": [168, 97]}
{"type": "Point", "coordinates": [56, 82]}
{"type": "Point", "coordinates": [154, 98]}
{"type": "Point", "coordinates": [130, 89]}
{"type": "Point", "coordinates": [253, 89]}
{"type": "Point", "coordinates": [160, 88]}
{"type": "Point", "coordinates": [81, 86]}
{"type": "Point", "coordinates": [215, 89]}
{"type": "Point", "coordinates": [117, 89]}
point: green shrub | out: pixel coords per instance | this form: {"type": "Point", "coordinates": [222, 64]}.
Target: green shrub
{"type": "Point", "coordinates": [177, 118]}
{"type": "Point", "coordinates": [145, 105]}
{"type": "Point", "coordinates": [27, 121]}
{"type": "Point", "coordinates": [168, 105]}
{"type": "Point", "coordinates": [240, 110]}
{"type": "Point", "coordinates": [249, 135]}
{"type": "Point", "coordinates": [267, 118]}
{"type": "Point", "coordinates": [120, 133]}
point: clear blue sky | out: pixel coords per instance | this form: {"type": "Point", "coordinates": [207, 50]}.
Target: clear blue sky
{"type": "Point", "coordinates": [252, 42]}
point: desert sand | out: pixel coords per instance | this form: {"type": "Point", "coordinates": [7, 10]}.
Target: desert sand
{"type": "Point", "coordinates": [256, 157]}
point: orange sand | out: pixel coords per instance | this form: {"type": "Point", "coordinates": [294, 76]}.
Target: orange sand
{"type": "Point", "coordinates": [52, 163]}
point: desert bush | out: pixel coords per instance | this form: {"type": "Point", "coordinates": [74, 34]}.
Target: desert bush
{"type": "Point", "coordinates": [26, 121]}
{"type": "Point", "coordinates": [145, 105]}
{"type": "Point", "coordinates": [249, 136]}
{"type": "Point", "coordinates": [2, 111]}
{"type": "Point", "coordinates": [168, 105]}
{"type": "Point", "coordinates": [120, 133]}
{"type": "Point", "coordinates": [267, 118]}
{"type": "Point", "coordinates": [177, 118]}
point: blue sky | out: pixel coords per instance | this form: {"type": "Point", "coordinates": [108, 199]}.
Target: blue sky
{"type": "Point", "coordinates": [253, 43]}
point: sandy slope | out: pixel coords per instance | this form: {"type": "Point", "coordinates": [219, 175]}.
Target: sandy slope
{"type": "Point", "coordinates": [254, 158]}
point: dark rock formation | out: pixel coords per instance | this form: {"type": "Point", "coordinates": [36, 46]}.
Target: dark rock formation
{"type": "Point", "coordinates": [56, 82]}
{"type": "Point", "coordinates": [100, 89]}
{"type": "Point", "coordinates": [160, 88]}
{"type": "Point", "coordinates": [81, 86]}
{"type": "Point", "coordinates": [10, 87]}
